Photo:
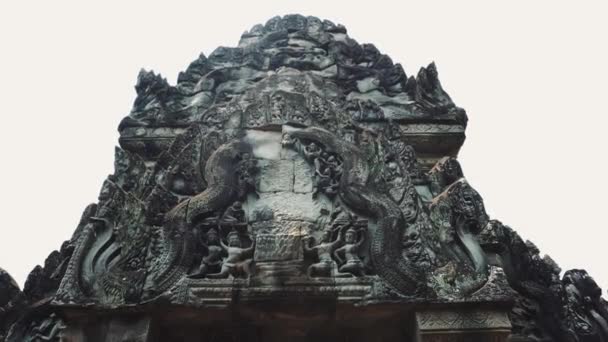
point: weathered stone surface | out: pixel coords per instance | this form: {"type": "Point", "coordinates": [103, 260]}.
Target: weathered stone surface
{"type": "Point", "coordinates": [303, 176]}
{"type": "Point", "coordinates": [463, 325]}
{"type": "Point", "coordinates": [12, 302]}
{"type": "Point", "coordinates": [287, 188]}
{"type": "Point", "coordinates": [289, 206]}
{"type": "Point", "coordinates": [278, 247]}
{"type": "Point", "coordinates": [437, 320]}
{"type": "Point", "coordinates": [266, 144]}
{"type": "Point", "coordinates": [285, 227]}
{"type": "Point", "coordinates": [276, 175]}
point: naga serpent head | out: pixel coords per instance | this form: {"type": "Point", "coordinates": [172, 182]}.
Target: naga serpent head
{"type": "Point", "coordinates": [467, 205]}
{"type": "Point", "coordinates": [584, 283]}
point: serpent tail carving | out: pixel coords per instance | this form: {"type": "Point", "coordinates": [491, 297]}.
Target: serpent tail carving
{"type": "Point", "coordinates": [355, 192]}
{"type": "Point", "coordinates": [220, 192]}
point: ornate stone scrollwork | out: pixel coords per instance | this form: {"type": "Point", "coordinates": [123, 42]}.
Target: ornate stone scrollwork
{"type": "Point", "coordinates": [109, 262]}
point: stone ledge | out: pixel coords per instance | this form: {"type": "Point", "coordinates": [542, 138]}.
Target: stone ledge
{"type": "Point", "coordinates": [468, 325]}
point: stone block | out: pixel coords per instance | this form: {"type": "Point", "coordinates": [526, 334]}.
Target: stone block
{"type": "Point", "coordinates": [289, 206]}
{"type": "Point", "coordinates": [289, 154]}
{"type": "Point", "coordinates": [266, 144]}
{"type": "Point", "coordinates": [275, 175]}
{"type": "Point", "coordinates": [284, 227]}
{"type": "Point", "coordinates": [278, 247]}
{"type": "Point", "coordinates": [303, 176]}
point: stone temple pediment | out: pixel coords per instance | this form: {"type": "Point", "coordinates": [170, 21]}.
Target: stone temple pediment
{"type": "Point", "coordinates": [297, 186]}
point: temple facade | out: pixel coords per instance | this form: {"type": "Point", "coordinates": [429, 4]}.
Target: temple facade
{"type": "Point", "coordinates": [299, 186]}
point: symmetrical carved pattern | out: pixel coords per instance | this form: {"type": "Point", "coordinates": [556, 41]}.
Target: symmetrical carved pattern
{"type": "Point", "coordinates": [298, 164]}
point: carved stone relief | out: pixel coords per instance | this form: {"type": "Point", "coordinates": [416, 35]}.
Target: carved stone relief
{"type": "Point", "coordinates": [298, 165]}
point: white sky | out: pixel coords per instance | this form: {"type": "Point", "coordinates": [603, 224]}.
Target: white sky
{"type": "Point", "coordinates": [531, 75]}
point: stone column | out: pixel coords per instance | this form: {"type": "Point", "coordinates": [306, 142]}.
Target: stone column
{"type": "Point", "coordinates": [462, 325]}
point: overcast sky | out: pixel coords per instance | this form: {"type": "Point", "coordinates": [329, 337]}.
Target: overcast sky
{"type": "Point", "coordinates": [531, 75]}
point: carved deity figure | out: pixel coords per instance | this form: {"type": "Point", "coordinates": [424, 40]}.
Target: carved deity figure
{"type": "Point", "coordinates": [246, 170]}
{"type": "Point", "coordinates": [407, 155]}
{"type": "Point", "coordinates": [238, 262]}
{"type": "Point", "coordinates": [234, 213]}
{"type": "Point", "coordinates": [393, 171]}
{"type": "Point", "coordinates": [413, 247]}
{"type": "Point", "coordinates": [328, 170]}
{"type": "Point", "coordinates": [334, 165]}
{"type": "Point", "coordinates": [409, 205]}
{"type": "Point", "coordinates": [318, 107]}
{"type": "Point", "coordinates": [212, 262]}
{"type": "Point", "coordinates": [351, 264]}
{"type": "Point", "coordinates": [288, 140]}
{"type": "Point", "coordinates": [322, 177]}
{"type": "Point", "coordinates": [326, 267]}
{"type": "Point", "coordinates": [255, 114]}
{"type": "Point", "coordinates": [278, 107]}
{"type": "Point", "coordinates": [312, 151]}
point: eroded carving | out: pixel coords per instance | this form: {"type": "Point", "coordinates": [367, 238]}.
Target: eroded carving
{"type": "Point", "coordinates": [348, 255]}
{"type": "Point", "coordinates": [12, 302]}
{"type": "Point", "coordinates": [212, 261]}
{"type": "Point", "coordinates": [239, 259]}
{"type": "Point", "coordinates": [326, 266]}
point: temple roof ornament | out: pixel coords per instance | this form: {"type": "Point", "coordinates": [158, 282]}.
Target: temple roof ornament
{"type": "Point", "coordinates": [296, 178]}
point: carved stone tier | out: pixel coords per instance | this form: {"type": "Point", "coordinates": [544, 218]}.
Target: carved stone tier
{"type": "Point", "coordinates": [433, 141]}
{"type": "Point", "coordinates": [457, 324]}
